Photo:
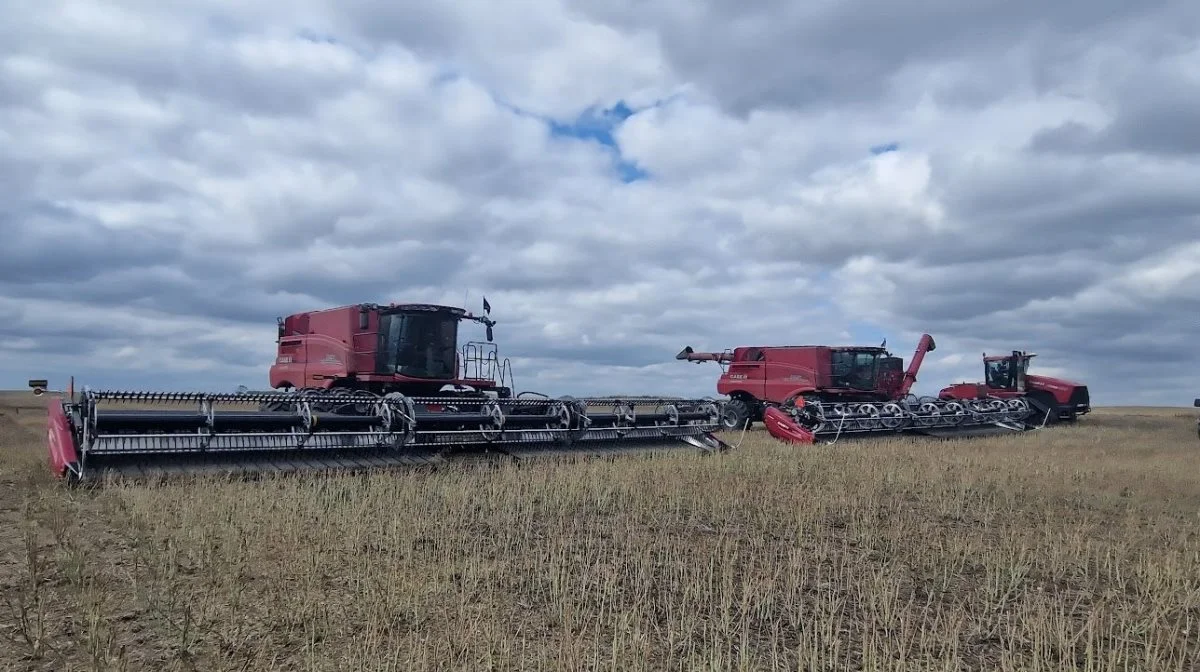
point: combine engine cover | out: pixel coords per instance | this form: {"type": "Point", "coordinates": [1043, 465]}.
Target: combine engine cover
{"type": "Point", "coordinates": [146, 433]}
{"type": "Point", "coordinates": [809, 421]}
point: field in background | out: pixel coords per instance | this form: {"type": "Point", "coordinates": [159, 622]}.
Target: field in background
{"type": "Point", "coordinates": [1073, 548]}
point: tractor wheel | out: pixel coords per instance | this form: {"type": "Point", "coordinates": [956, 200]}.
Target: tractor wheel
{"type": "Point", "coordinates": [1043, 401]}
{"type": "Point", "coordinates": [736, 415]}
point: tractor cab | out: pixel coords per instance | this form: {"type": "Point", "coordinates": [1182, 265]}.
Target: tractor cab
{"type": "Point", "coordinates": [1007, 372]}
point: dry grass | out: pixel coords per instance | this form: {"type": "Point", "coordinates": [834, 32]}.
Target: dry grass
{"type": "Point", "coordinates": [1075, 548]}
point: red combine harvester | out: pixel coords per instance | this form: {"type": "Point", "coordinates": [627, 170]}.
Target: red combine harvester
{"type": "Point", "coordinates": [803, 392]}
{"type": "Point", "coordinates": [757, 377]}
{"type": "Point", "coordinates": [363, 386]}
{"type": "Point", "coordinates": [1007, 377]}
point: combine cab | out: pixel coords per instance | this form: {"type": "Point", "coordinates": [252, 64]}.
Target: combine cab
{"type": "Point", "coordinates": [1007, 377]}
{"type": "Point", "coordinates": [360, 387]}
{"type": "Point", "coordinates": [802, 393]}
{"type": "Point", "coordinates": [410, 348]}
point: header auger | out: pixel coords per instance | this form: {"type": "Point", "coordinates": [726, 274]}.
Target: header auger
{"type": "Point", "coordinates": [378, 386]}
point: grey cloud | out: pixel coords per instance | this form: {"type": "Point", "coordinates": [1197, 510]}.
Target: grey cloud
{"type": "Point", "coordinates": [1107, 341]}
{"type": "Point", "coordinates": [1003, 217]}
{"type": "Point", "coordinates": [1164, 126]}
{"type": "Point", "coordinates": [253, 187]}
{"type": "Point", "coordinates": [809, 56]}
{"type": "Point", "coordinates": [43, 241]}
{"type": "Point", "coordinates": [165, 57]}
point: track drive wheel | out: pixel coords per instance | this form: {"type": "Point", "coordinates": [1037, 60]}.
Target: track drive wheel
{"type": "Point", "coordinates": [736, 415]}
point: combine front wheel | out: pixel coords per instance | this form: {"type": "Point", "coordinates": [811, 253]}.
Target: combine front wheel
{"type": "Point", "coordinates": [736, 415]}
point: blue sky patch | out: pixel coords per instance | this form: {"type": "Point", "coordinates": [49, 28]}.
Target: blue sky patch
{"type": "Point", "coordinates": [597, 125]}
{"type": "Point", "coordinates": [885, 148]}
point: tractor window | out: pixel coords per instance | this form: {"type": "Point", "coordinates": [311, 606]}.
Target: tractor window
{"type": "Point", "coordinates": [420, 345]}
{"type": "Point", "coordinates": [998, 374]}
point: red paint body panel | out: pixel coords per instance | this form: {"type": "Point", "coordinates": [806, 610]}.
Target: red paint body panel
{"type": "Point", "coordinates": [1059, 388]}
{"type": "Point", "coordinates": [339, 347]}
{"type": "Point", "coordinates": [781, 426]}
{"type": "Point", "coordinates": [61, 441]}
{"type": "Point", "coordinates": [772, 374]}
{"type": "Point", "coordinates": [964, 391]}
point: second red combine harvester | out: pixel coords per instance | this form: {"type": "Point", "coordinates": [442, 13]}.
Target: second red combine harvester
{"type": "Point", "coordinates": [805, 392]}
{"type": "Point", "coordinates": [359, 387]}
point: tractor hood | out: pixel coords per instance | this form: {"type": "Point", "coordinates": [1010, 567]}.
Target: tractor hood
{"type": "Point", "coordinates": [1051, 383]}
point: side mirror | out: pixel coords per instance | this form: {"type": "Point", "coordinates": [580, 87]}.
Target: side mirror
{"type": "Point", "coordinates": [489, 333]}
{"type": "Point", "coordinates": [684, 353]}
{"type": "Point", "coordinates": [1196, 403]}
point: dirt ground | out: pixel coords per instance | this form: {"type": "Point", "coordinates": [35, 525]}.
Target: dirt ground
{"type": "Point", "coordinates": [1063, 549]}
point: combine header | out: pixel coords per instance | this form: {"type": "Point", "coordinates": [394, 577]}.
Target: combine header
{"type": "Point", "coordinates": [379, 386]}
{"type": "Point", "coordinates": [806, 392]}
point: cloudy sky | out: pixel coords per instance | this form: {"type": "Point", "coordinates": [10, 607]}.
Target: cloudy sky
{"type": "Point", "coordinates": [620, 179]}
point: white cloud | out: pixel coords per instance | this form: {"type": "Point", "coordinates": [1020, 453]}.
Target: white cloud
{"type": "Point", "coordinates": [175, 177]}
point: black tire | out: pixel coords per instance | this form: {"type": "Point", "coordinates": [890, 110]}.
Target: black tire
{"type": "Point", "coordinates": [1040, 401]}
{"type": "Point", "coordinates": [736, 415]}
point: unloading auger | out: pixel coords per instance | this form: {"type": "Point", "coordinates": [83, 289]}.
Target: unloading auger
{"type": "Point", "coordinates": [100, 433]}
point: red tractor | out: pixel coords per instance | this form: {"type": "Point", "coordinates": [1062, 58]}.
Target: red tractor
{"type": "Point", "coordinates": [1008, 377]}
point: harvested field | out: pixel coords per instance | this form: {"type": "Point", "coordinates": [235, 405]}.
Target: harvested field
{"type": "Point", "coordinates": [1069, 548]}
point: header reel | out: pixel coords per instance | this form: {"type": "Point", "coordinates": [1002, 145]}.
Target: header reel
{"type": "Point", "coordinates": [146, 433]}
